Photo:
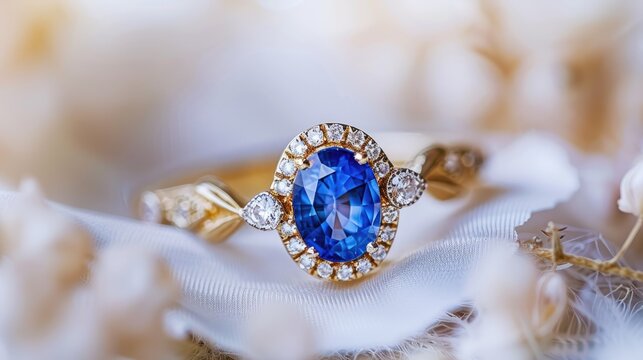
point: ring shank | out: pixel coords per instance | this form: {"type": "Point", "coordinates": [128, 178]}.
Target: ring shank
{"type": "Point", "coordinates": [209, 208]}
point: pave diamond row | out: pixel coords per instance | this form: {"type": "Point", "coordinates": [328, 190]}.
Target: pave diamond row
{"type": "Point", "coordinates": [327, 135]}
{"type": "Point", "coordinates": [308, 259]}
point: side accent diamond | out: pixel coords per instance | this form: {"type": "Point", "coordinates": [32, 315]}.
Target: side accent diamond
{"type": "Point", "coordinates": [405, 187]}
{"type": "Point", "coordinates": [263, 212]}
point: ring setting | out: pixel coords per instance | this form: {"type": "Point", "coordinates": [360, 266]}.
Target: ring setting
{"type": "Point", "coordinates": [335, 201]}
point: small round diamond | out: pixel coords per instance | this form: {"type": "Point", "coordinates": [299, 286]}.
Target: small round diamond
{"type": "Point", "coordinates": [405, 187]}
{"type": "Point", "coordinates": [382, 168]}
{"type": "Point", "coordinates": [378, 252]}
{"type": "Point", "coordinates": [307, 261]}
{"type": "Point", "coordinates": [287, 229]}
{"type": "Point", "coordinates": [150, 208]}
{"type": "Point", "coordinates": [389, 215]}
{"type": "Point", "coordinates": [452, 163]}
{"type": "Point", "coordinates": [295, 246]}
{"type": "Point", "coordinates": [363, 266]}
{"type": "Point", "coordinates": [373, 151]}
{"type": "Point", "coordinates": [283, 187]}
{"type": "Point", "coordinates": [344, 273]}
{"type": "Point", "coordinates": [387, 233]}
{"type": "Point", "coordinates": [185, 212]}
{"type": "Point", "coordinates": [356, 138]}
{"type": "Point", "coordinates": [298, 147]}
{"type": "Point", "coordinates": [287, 167]}
{"type": "Point", "coordinates": [324, 270]}
{"type": "Point", "coordinates": [335, 132]}
{"type": "Point", "coordinates": [315, 136]}
{"type": "Point", "coordinates": [263, 212]}
{"type": "Point", "coordinates": [469, 159]}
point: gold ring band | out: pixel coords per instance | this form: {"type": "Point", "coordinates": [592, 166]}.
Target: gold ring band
{"type": "Point", "coordinates": [212, 210]}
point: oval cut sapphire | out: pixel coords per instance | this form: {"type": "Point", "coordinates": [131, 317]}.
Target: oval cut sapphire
{"type": "Point", "coordinates": [336, 203]}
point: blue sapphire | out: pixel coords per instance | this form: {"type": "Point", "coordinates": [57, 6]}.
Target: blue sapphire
{"type": "Point", "coordinates": [336, 202]}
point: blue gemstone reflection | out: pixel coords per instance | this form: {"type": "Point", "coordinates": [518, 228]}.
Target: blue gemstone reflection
{"type": "Point", "coordinates": [337, 205]}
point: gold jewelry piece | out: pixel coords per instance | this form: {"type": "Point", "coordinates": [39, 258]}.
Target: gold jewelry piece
{"type": "Point", "coordinates": [335, 199]}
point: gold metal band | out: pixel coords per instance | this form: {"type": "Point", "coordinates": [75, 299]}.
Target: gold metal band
{"type": "Point", "coordinates": [210, 209]}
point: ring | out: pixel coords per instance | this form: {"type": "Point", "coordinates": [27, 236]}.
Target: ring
{"type": "Point", "coordinates": [335, 199]}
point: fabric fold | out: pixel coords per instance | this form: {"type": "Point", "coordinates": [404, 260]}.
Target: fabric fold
{"type": "Point", "coordinates": [437, 245]}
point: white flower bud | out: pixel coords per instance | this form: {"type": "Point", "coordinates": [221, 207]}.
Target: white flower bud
{"type": "Point", "coordinates": [631, 200]}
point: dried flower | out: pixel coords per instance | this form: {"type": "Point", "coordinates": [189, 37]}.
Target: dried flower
{"type": "Point", "coordinates": [631, 200]}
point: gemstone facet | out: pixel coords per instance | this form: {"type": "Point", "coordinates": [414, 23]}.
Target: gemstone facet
{"type": "Point", "coordinates": [337, 205]}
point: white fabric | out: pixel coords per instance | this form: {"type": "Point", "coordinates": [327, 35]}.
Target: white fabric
{"type": "Point", "coordinates": [437, 244]}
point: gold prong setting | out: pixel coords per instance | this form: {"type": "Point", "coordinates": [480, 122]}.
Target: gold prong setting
{"type": "Point", "coordinates": [294, 159]}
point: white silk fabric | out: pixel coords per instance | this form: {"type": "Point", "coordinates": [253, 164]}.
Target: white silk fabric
{"type": "Point", "coordinates": [425, 274]}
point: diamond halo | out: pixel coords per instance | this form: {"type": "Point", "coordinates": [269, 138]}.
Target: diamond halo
{"type": "Point", "coordinates": [275, 209]}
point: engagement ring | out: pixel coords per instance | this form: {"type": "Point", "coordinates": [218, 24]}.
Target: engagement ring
{"type": "Point", "coordinates": [335, 199]}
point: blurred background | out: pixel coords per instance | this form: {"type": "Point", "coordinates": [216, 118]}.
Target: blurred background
{"type": "Point", "coordinates": [99, 97]}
